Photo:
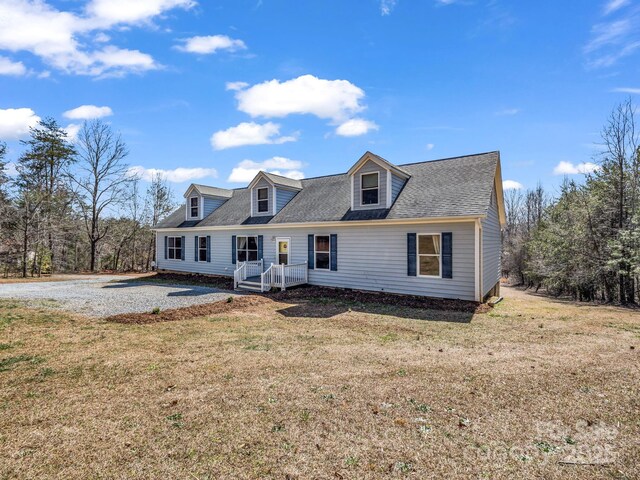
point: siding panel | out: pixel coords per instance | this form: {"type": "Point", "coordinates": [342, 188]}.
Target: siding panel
{"type": "Point", "coordinates": [491, 247]}
{"type": "Point", "coordinates": [283, 197]}
{"type": "Point", "coordinates": [396, 185]}
{"type": "Point", "coordinates": [210, 204]}
{"type": "Point", "coordinates": [369, 258]}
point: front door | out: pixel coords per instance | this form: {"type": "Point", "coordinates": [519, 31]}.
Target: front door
{"type": "Point", "coordinates": [282, 245]}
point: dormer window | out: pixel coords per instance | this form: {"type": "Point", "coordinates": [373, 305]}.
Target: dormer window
{"type": "Point", "coordinates": [193, 207]}
{"type": "Point", "coordinates": [370, 188]}
{"type": "Point", "coordinates": [263, 200]}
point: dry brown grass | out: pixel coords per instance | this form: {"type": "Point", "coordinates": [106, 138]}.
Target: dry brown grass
{"type": "Point", "coordinates": [319, 389]}
{"type": "Point", "coordinates": [64, 277]}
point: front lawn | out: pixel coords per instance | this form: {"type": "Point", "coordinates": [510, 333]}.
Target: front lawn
{"type": "Point", "coordinates": [323, 388]}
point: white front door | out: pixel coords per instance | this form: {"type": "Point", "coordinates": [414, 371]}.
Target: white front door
{"type": "Point", "coordinates": [282, 251]}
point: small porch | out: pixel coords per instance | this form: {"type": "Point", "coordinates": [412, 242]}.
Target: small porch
{"type": "Point", "coordinates": [251, 276]}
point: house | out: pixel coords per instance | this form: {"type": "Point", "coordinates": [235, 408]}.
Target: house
{"type": "Point", "coordinates": [430, 228]}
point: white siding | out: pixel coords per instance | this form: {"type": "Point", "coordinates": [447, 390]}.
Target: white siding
{"type": "Point", "coordinates": [491, 247]}
{"type": "Point", "coordinates": [369, 258]}
{"type": "Point", "coordinates": [370, 167]}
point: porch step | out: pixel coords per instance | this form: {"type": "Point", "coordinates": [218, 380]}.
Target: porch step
{"type": "Point", "coordinates": [250, 286]}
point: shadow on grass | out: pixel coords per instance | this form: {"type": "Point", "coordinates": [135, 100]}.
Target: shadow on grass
{"type": "Point", "coordinates": [314, 309]}
{"type": "Point", "coordinates": [324, 302]}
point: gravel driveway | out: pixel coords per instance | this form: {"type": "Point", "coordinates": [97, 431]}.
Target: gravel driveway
{"type": "Point", "coordinates": [110, 295]}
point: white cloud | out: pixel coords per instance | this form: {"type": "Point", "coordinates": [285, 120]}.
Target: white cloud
{"type": "Point", "coordinates": [568, 168]}
{"type": "Point", "coordinates": [235, 86]}
{"type": "Point", "coordinates": [512, 185]}
{"type": "Point", "coordinates": [337, 100]}
{"type": "Point", "coordinates": [632, 91]}
{"type": "Point", "coordinates": [87, 112]}
{"type": "Point", "coordinates": [613, 39]}
{"type": "Point", "coordinates": [11, 169]}
{"type": "Point", "coordinates": [386, 6]}
{"type": "Point", "coordinates": [62, 39]}
{"type": "Point", "coordinates": [249, 133]}
{"type": "Point", "coordinates": [15, 122]}
{"type": "Point", "coordinates": [106, 13]}
{"type": "Point", "coordinates": [210, 44]}
{"type": "Point", "coordinates": [613, 5]}
{"type": "Point", "coordinates": [430, 146]}
{"type": "Point", "coordinates": [72, 131]}
{"type": "Point", "coordinates": [9, 67]}
{"type": "Point", "coordinates": [508, 112]}
{"type": "Point", "coordinates": [355, 127]}
{"type": "Point", "coordinates": [177, 175]}
{"type": "Point", "coordinates": [246, 170]}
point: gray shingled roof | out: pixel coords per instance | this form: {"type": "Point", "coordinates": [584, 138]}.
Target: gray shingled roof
{"type": "Point", "coordinates": [452, 187]}
{"type": "Point", "coordinates": [283, 181]}
{"type": "Point", "coordinates": [213, 191]}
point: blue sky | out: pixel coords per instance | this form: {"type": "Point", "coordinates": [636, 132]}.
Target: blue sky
{"type": "Point", "coordinates": [220, 89]}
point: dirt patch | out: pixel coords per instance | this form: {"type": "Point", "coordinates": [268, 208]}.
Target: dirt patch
{"type": "Point", "coordinates": [232, 304]}
{"type": "Point", "coordinates": [335, 295]}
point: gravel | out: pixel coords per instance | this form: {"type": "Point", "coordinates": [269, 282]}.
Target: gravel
{"type": "Point", "coordinates": [110, 295]}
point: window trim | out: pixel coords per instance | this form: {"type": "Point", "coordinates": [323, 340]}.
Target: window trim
{"type": "Point", "coordinates": [174, 248]}
{"type": "Point", "coordinates": [278, 240]}
{"type": "Point", "coordinates": [238, 237]}
{"type": "Point", "coordinates": [258, 200]}
{"type": "Point", "coordinates": [418, 254]}
{"type": "Point", "coordinates": [315, 251]}
{"type": "Point", "coordinates": [202, 249]}
{"type": "Point", "coordinates": [362, 189]}
{"type": "Point", "coordinates": [191, 207]}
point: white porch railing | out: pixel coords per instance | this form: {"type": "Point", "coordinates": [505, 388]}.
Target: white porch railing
{"type": "Point", "coordinates": [246, 269]}
{"type": "Point", "coordinates": [278, 276]}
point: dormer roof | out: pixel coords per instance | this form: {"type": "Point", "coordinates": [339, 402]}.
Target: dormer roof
{"type": "Point", "coordinates": [368, 156]}
{"type": "Point", "coordinates": [276, 180]}
{"type": "Point", "coordinates": [208, 191]}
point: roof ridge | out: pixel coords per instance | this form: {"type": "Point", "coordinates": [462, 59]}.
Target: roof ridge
{"type": "Point", "coordinates": [450, 158]}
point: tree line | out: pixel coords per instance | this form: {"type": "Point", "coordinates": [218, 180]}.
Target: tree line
{"type": "Point", "coordinates": [74, 205]}
{"type": "Point", "coordinates": [585, 243]}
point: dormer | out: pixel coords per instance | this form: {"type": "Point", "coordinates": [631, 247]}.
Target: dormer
{"type": "Point", "coordinates": [201, 200]}
{"type": "Point", "coordinates": [270, 193]}
{"type": "Point", "coordinates": [375, 182]}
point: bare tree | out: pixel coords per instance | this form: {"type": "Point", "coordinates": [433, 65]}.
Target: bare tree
{"type": "Point", "coordinates": [101, 178]}
{"type": "Point", "coordinates": [159, 203]}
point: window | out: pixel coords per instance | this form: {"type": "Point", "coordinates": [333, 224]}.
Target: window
{"type": "Point", "coordinates": [429, 255]}
{"type": "Point", "coordinates": [247, 249]}
{"type": "Point", "coordinates": [370, 188]}
{"type": "Point", "coordinates": [175, 248]}
{"type": "Point", "coordinates": [202, 249]}
{"type": "Point", "coordinates": [263, 200]}
{"type": "Point", "coordinates": [193, 204]}
{"type": "Point", "coordinates": [322, 252]}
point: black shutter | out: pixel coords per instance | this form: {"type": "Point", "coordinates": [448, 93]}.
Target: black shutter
{"type": "Point", "coordinates": [166, 247]}
{"type": "Point", "coordinates": [209, 248]}
{"type": "Point", "coordinates": [182, 250]}
{"type": "Point", "coordinates": [411, 254]}
{"type": "Point", "coordinates": [447, 255]}
{"type": "Point", "coordinates": [260, 245]}
{"type": "Point", "coordinates": [311, 257]}
{"type": "Point", "coordinates": [233, 249]}
{"type": "Point", "coordinates": [195, 243]}
{"type": "Point", "coordinates": [333, 248]}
